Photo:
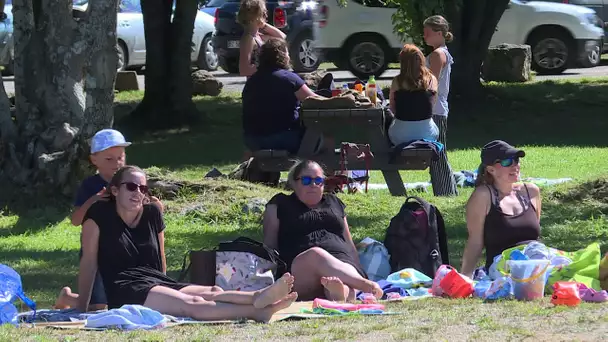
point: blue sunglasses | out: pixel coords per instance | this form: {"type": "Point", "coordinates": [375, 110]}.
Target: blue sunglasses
{"type": "Point", "coordinates": [307, 180]}
{"type": "Point", "coordinates": [508, 162]}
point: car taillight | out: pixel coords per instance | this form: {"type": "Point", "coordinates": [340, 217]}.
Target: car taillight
{"type": "Point", "coordinates": [216, 15]}
{"type": "Point", "coordinates": [279, 19]}
{"type": "Point", "coordinates": [565, 1]}
{"type": "Point", "coordinates": [323, 14]}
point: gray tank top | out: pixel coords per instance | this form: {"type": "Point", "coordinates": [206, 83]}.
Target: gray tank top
{"type": "Point", "coordinates": [441, 107]}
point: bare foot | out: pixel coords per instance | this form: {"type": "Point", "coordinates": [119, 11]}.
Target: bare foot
{"type": "Point", "coordinates": [264, 315]}
{"type": "Point", "coordinates": [64, 299]}
{"type": "Point", "coordinates": [373, 288]}
{"type": "Point", "coordinates": [274, 292]}
{"type": "Point", "coordinates": [335, 288]}
{"type": "Point", "coordinates": [351, 295]}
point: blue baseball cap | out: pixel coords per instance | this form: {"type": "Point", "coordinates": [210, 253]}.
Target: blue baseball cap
{"type": "Point", "coordinates": [107, 138]}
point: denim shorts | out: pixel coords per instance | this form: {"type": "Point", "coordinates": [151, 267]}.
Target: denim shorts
{"type": "Point", "coordinates": [287, 140]}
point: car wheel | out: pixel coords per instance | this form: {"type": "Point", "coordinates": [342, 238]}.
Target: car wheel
{"type": "Point", "coordinates": [552, 52]}
{"type": "Point", "coordinates": [122, 56]}
{"type": "Point", "coordinates": [592, 58]}
{"type": "Point", "coordinates": [366, 57]}
{"type": "Point", "coordinates": [207, 57]}
{"type": "Point", "coordinates": [230, 66]}
{"type": "Point", "coordinates": [304, 56]}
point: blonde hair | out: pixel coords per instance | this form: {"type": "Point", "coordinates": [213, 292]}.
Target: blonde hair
{"type": "Point", "coordinates": [438, 23]}
{"type": "Point", "coordinates": [414, 74]}
{"type": "Point", "coordinates": [250, 11]}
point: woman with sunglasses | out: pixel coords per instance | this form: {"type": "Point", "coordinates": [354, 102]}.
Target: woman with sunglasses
{"type": "Point", "coordinates": [500, 213]}
{"type": "Point", "coordinates": [310, 231]}
{"type": "Point", "coordinates": [124, 238]}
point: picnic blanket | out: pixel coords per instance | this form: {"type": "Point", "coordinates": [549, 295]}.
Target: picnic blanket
{"type": "Point", "coordinates": [69, 319]}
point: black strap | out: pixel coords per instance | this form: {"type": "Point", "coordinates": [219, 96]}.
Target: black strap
{"type": "Point", "coordinates": [185, 269]}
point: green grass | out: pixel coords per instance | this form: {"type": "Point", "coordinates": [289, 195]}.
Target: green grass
{"type": "Point", "coordinates": [561, 126]}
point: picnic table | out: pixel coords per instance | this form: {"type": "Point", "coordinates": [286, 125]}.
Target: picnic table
{"type": "Point", "coordinates": [326, 122]}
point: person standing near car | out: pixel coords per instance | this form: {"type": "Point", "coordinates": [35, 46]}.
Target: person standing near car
{"type": "Point", "coordinates": [252, 16]}
{"type": "Point", "coordinates": [436, 34]}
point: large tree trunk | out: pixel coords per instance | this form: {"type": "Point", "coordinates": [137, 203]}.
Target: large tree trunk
{"type": "Point", "coordinates": [64, 91]}
{"type": "Point", "coordinates": [167, 98]}
{"type": "Point", "coordinates": [473, 24]}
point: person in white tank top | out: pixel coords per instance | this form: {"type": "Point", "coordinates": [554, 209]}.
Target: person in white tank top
{"type": "Point", "coordinates": [437, 34]}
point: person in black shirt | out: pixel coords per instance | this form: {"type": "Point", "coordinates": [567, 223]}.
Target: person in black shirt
{"type": "Point", "coordinates": [125, 238]}
{"type": "Point", "coordinates": [310, 231]}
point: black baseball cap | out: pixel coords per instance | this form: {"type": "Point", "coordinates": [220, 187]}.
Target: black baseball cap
{"type": "Point", "coordinates": [499, 150]}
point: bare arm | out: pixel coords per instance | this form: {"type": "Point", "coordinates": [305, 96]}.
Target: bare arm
{"type": "Point", "coordinates": [88, 263]}
{"type": "Point", "coordinates": [79, 212]}
{"type": "Point", "coordinates": [476, 211]}
{"type": "Point", "coordinates": [271, 31]}
{"type": "Point", "coordinates": [161, 244]}
{"type": "Point", "coordinates": [304, 92]}
{"type": "Point", "coordinates": [245, 51]}
{"type": "Point", "coordinates": [535, 198]}
{"type": "Point", "coordinates": [437, 61]}
{"type": "Point", "coordinates": [434, 87]}
{"type": "Point", "coordinates": [391, 96]}
{"type": "Point", "coordinates": [271, 226]}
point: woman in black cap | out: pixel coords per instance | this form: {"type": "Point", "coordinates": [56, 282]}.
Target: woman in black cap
{"type": "Point", "coordinates": [500, 214]}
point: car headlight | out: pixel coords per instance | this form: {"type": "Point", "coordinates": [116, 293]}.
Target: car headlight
{"type": "Point", "coordinates": [594, 19]}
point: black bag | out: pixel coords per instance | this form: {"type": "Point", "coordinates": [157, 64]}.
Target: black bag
{"type": "Point", "coordinates": [416, 238]}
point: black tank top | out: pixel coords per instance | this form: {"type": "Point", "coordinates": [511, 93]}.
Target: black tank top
{"type": "Point", "coordinates": [413, 105]}
{"type": "Point", "coordinates": [502, 231]}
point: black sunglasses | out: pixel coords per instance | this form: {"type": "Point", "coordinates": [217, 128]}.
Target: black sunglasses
{"type": "Point", "coordinates": [307, 180]}
{"type": "Point", "coordinates": [133, 187]}
{"type": "Point", "coordinates": [508, 162]}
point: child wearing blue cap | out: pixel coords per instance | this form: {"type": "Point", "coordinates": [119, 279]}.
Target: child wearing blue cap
{"type": "Point", "coordinates": [108, 155]}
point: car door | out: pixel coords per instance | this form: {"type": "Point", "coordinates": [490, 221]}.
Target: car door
{"type": "Point", "coordinates": [130, 29]}
{"type": "Point", "coordinates": [507, 28]}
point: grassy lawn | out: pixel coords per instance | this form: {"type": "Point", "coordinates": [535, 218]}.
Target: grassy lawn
{"type": "Point", "coordinates": [560, 125]}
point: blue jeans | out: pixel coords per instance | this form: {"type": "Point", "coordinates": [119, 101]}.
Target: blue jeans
{"type": "Point", "coordinates": [98, 293]}
{"type": "Point", "coordinates": [287, 140]}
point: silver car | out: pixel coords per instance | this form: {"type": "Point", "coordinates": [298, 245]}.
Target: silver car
{"type": "Point", "coordinates": [130, 33]}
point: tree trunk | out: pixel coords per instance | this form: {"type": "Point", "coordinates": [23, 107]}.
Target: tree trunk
{"type": "Point", "coordinates": [167, 98]}
{"type": "Point", "coordinates": [64, 92]}
{"type": "Point", "coordinates": [473, 24]}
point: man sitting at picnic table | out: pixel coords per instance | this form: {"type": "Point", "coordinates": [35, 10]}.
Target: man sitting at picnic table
{"type": "Point", "coordinates": [271, 102]}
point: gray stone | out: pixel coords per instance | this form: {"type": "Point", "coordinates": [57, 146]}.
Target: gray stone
{"type": "Point", "coordinates": [507, 63]}
{"type": "Point", "coordinates": [193, 209]}
{"type": "Point", "coordinates": [255, 206]}
{"type": "Point", "coordinates": [126, 81]}
{"type": "Point", "coordinates": [204, 83]}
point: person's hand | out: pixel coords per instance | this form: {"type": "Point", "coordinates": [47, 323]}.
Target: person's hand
{"type": "Point", "coordinates": [102, 195]}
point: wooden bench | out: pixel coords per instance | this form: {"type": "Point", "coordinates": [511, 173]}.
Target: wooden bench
{"type": "Point", "coordinates": [321, 122]}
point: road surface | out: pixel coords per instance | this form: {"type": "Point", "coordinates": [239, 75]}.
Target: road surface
{"type": "Point", "coordinates": [234, 83]}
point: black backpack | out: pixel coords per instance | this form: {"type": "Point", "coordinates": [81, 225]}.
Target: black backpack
{"type": "Point", "coordinates": [416, 238]}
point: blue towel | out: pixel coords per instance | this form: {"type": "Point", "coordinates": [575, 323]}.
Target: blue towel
{"type": "Point", "coordinates": [387, 288]}
{"type": "Point", "coordinates": [127, 317]}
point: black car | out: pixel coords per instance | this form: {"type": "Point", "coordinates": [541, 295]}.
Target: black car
{"type": "Point", "coordinates": [294, 18]}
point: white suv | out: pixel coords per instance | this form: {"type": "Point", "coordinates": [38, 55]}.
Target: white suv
{"type": "Point", "coordinates": [360, 37]}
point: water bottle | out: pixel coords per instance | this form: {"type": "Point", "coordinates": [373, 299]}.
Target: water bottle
{"type": "Point", "coordinates": [370, 90]}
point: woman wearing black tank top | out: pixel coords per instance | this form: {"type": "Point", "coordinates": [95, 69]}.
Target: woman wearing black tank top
{"type": "Point", "coordinates": [500, 213]}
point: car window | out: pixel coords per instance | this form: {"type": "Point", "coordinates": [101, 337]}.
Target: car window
{"type": "Point", "coordinates": [215, 3]}
{"type": "Point", "coordinates": [376, 3]}
{"type": "Point", "coordinates": [130, 6]}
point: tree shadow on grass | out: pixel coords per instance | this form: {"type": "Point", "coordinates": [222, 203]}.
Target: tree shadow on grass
{"type": "Point", "coordinates": [34, 218]}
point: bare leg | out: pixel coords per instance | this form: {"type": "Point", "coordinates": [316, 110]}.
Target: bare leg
{"type": "Point", "coordinates": [67, 299]}
{"type": "Point", "coordinates": [176, 303]}
{"type": "Point", "coordinates": [313, 264]}
{"type": "Point", "coordinates": [259, 299]}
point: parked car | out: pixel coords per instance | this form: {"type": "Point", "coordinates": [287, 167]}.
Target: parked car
{"type": "Point", "coordinates": [601, 9]}
{"type": "Point", "coordinates": [294, 18]}
{"type": "Point", "coordinates": [210, 6]}
{"type": "Point", "coordinates": [360, 38]}
{"type": "Point", "coordinates": [130, 35]}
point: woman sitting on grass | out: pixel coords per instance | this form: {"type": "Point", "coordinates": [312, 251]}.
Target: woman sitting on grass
{"type": "Point", "coordinates": [500, 213]}
{"type": "Point", "coordinates": [310, 231]}
{"type": "Point", "coordinates": [125, 238]}
{"type": "Point", "coordinates": [271, 102]}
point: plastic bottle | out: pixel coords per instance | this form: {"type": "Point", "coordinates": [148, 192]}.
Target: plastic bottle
{"type": "Point", "coordinates": [345, 88]}
{"type": "Point", "coordinates": [370, 90]}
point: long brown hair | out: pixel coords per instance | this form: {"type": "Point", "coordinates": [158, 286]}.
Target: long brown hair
{"type": "Point", "coordinates": [414, 74]}
{"type": "Point", "coordinates": [483, 176]}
